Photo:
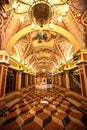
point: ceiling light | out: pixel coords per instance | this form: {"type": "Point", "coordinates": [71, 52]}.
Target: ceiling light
{"type": "Point", "coordinates": [14, 4]}
{"type": "Point", "coordinates": [66, 8]}
{"type": "Point", "coordinates": [59, 18]}
{"type": "Point", "coordinates": [51, 25]}
{"type": "Point", "coordinates": [22, 19]}
{"type": "Point", "coordinates": [33, 26]}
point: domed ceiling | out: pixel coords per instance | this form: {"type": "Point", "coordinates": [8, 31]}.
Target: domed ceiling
{"type": "Point", "coordinates": [39, 38]}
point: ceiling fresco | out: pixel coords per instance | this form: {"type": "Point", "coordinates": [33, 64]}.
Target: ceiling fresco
{"type": "Point", "coordinates": [43, 52]}
{"type": "Point", "coordinates": [43, 48]}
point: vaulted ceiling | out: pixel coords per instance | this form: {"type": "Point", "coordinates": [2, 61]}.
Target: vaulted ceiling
{"type": "Point", "coordinates": [43, 44]}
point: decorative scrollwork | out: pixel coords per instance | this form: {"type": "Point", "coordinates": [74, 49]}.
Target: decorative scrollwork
{"type": "Point", "coordinates": [1, 21]}
{"type": "Point", "coordinates": [84, 19]}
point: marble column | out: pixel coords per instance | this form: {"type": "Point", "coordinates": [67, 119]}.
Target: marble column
{"type": "Point", "coordinates": [58, 79]}
{"type": "Point", "coordinates": [4, 62]}
{"type": "Point", "coordinates": [18, 79]}
{"type": "Point", "coordinates": [82, 66]}
{"type": "Point", "coordinates": [53, 81]}
{"type": "Point", "coordinates": [67, 80]}
{"type": "Point", "coordinates": [30, 79]}
{"type": "Point", "coordinates": [34, 80]}
{"type": "Point", "coordinates": [60, 82]}
{"type": "Point", "coordinates": [3, 77]}
{"type": "Point", "coordinates": [26, 80]}
{"type": "Point", "coordinates": [83, 77]}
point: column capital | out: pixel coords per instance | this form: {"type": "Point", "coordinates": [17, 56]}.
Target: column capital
{"type": "Point", "coordinates": [4, 63]}
{"type": "Point", "coordinates": [4, 57]}
{"type": "Point", "coordinates": [82, 62]}
{"type": "Point", "coordinates": [20, 71]}
{"type": "Point", "coordinates": [66, 70]}
{"type": "Point", "coordinates": [81, 56]}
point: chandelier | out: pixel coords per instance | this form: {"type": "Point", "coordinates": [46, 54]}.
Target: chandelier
{"type": "Point", "coordinates": [41, 10]}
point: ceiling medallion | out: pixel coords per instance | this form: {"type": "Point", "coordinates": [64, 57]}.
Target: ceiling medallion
{"type": "Point", "coordinates": [42, 13]}
{"type": "Point", "coordinates": [42, 10]}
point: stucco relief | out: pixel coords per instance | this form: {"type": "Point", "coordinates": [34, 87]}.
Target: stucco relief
{"type": "Point", "coordinates": [79, 10]}
{"type": "Point", "coordinates": [1, 21]}
{"type": "Point", "coordinates": [2, 29]}
{"type": "Point", "coordinates": [84, 18]}
{"type": "Point", "coordinates": [84, 22]}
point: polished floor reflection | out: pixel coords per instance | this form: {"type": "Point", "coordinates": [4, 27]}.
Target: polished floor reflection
{"type": "Point", "coordinates": [43, 110]}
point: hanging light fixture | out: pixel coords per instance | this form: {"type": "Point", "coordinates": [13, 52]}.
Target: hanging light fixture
{"type": "Point", "coordinates": [41, 10]}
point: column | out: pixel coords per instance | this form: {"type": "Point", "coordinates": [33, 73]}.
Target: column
{"type": "Point", "coordinates": [4, 62]}
{"type": "Point", "coordinates": [58, 79]}
{"type": "Point", "coordinates": [83, 78]}
{"type": "Point", "coordinates": [67, 80]}
{"type": "Point", "coordinates": [18, 80]}
{"type": "Point", "coordinates": [34, 78]}
{"type": "Point", "coordinates": [82, 66]}
{"type": "Point", "coordinates": [53, 81]}
{"type": "Point", "coordinates": [30, 79]}
{"type": "Point", "coordinates": [26, 80]}
{"type": "Point", "coordinates": [60, 83]}
{"type": "Point", "coordinates": [3, 77]}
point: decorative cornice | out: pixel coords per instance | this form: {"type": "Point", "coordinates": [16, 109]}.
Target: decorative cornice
{"type": "Point", "coordinates": [81, 62]}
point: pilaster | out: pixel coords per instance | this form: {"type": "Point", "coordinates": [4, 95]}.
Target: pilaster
{"type": "Point", "coordinates": [31, 79]}
{"type": "Point", "coordinates": [18, 79]}
{"type": "Point", "coordinates": [4, 62]}
{"type": "Point", "coordinates": [26, 79]}
{"type": "Point", "coordinates": [59, 75]}
{"type": "Point", "coordinates": [67, 80]}
{"type": "Point", "coordinates": [82, 66]}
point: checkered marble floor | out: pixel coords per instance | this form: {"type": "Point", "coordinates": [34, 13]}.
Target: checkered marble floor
{"type": "Point", "coordinates": [43, 110]}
